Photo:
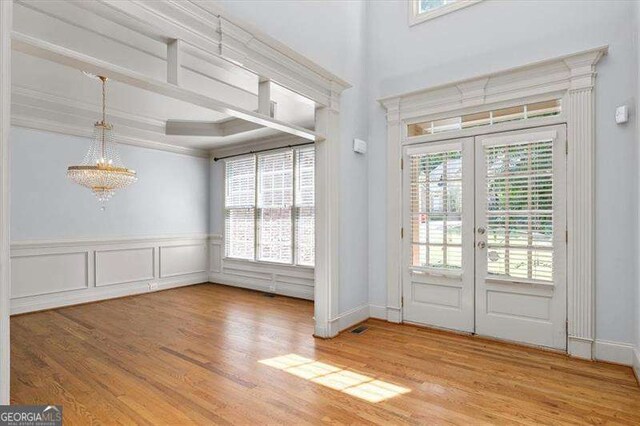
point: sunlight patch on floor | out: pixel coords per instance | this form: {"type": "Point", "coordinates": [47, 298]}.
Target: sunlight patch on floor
{"type": "Point", "coordinates": [349, 382]}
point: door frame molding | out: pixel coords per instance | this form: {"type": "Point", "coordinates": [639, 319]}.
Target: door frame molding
{"type": "Point", "coordinates": [570, 78]}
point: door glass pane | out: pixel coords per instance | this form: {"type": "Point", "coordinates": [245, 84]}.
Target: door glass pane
{"type": "Point", "coordinates": [436, 210]}
{"type": "Point", "coordinates": [520, 210]}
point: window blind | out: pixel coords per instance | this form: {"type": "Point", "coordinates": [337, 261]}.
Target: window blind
{"type": "Point", "coordinates": [305, 206]}
{"type": "Point", "coordinates": [270, 211]}
{"type": "Point", "coordinates": [436, 210]}
{"type": "Point", "coordinates": [240, 199]}
{"type": "Point", "coordinates": [520, 210]}
{"type": "Point", "coordinates": [275, 202]}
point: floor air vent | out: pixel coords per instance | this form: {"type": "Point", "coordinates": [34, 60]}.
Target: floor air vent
{"type": "Point", "coordinates": [360, 329]}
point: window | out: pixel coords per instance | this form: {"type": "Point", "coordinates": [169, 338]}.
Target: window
{"type": "Point", "coordinates": [423, 10]}
{"type": "Point", "coordinates": [520, 210]}
{"type": "Point", "coordinates": [436, 210]}
{"type": "Point", "coordinates": [269, 207]}
{"type": "Point", "coordinates": [486, 118]}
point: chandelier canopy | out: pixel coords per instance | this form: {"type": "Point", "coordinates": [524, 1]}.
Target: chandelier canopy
{"type": "Point", "coordinates": [101, 169]}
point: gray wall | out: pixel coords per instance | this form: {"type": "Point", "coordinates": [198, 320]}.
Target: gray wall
{"type": "Point", "coordinates": [494, 35]}
{"type": "Point", "coordinates": [170, 198]}
{"type": "Point", "coordinates": [331, 34]}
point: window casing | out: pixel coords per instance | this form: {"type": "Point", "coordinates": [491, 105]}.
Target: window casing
{"type": "Point", "coordinates": [269, 207]}
{"type": "Point", "coordinates": [423, 10]}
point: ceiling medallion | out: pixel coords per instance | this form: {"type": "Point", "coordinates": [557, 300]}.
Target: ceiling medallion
{"type": "Point", "coordinates": [101, 169]}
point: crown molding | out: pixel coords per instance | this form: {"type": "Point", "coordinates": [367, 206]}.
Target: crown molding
{"type": "Point", "coordinates": [573, 71]}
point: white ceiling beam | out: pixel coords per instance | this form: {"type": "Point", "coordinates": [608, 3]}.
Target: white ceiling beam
{"type": "Point", "coordinates": [264, 96]}
{"type": "Point", "coordinates": [174, 62]}
{"type": "Point", "coordinates": [45, 50]}
{"type": "Point", "coordinates": [193, 128]}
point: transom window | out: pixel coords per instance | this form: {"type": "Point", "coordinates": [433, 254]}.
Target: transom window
{"type": "Point", "coordinates": [486, 118]}
{"type": "Point", "coordinates": [269, 207]}
{"type": "Point", "coordinates": [422, 10]}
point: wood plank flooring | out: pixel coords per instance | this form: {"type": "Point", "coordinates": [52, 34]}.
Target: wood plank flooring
{"type": "Point", "coordinates": [192, 356]}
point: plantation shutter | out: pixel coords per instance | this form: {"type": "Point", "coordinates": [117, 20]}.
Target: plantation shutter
{"type": "Point", "coordinates": [275, 203]}
{"type": "Point", "coordinates": [305, 206]}
{"type": "Point", "coordinates": [240, 198]}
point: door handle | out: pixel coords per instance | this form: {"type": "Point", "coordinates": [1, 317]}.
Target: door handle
{"type": "Point", "coordinates": [481, 244]}
{"type": "Point", "coordinates": [481, 230]}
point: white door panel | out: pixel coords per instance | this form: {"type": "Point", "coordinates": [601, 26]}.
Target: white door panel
{"type": "Point", "coordinates": [520, 234]}
{"type": "Point", "coordinates": [438, 270]}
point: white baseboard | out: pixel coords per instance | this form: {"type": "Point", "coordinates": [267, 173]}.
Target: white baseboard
{"type": "Point", "coordinates": [95, 294]}
{"type": "Point", "coordinates": [616, 352]}
{"type": "Point", "coordinates": [636, 363]}
{"type": "Point", "coordinates": [377, 311]}
{"type": "Point", "coordinates": [350, 318]}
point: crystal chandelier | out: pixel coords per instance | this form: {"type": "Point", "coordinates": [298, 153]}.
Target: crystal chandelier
{"type": "Point", "coordinates": [102, 170]}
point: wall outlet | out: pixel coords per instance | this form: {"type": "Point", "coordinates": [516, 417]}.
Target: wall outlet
{"type": "Point", "coordinates": [153, 286]}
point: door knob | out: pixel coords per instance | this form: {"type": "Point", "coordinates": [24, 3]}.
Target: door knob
{"type": "Point", "coordinates": [481, 244]}
{"type": "Point", "coordinates": [481, 230]}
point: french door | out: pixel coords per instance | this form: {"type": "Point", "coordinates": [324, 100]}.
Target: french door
{"type": "Point", "coordinates": [484, 243]}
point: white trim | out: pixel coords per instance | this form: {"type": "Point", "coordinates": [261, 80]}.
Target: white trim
{"type": "Point", "coordinates": [6, 14]}
{"type": "Point", "coordinates": [415, 17]}
{"type": "Point", "coordinates": [68, 57]}
{"type": "Point", "coordinates": [616, 352]}
{"type": "Point", "coordinates": [570, 77]}
{"type": "Point", "coordinates": [96, 294]}
{"type": "Point", "coordinates": [580, 348]}
{"type": "Point", "coordinates": [351, 317]}
{"type": "Point", "coordinates": [636, 363]}
{"type": "Point", "coordinates": [377, 311]}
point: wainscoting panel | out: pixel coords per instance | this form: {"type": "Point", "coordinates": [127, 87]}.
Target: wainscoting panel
{"type": "Point", "coordinates": [120, 266]}
{"type": "Point", "coordinates": [50, 274]}
{"type": "Point", "coordinates": [287, 280]}
{"type": "Point", "coordinates": [183, 259]}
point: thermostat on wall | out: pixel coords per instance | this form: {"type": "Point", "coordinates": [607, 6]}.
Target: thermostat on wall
{"type": "Point", "coordinates": [359, 146]}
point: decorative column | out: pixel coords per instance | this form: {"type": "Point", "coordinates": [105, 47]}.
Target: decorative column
{"type": "Point", "coordinates": [327, 179]}
{"type": "Point", "coordinates": [5, 124]}
{"type": "Point", "coordinates": [394, 211]}
{"type": "Point", "coordinates": [579, 107]}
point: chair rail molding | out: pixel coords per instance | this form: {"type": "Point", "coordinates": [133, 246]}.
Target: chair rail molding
{"type": "Point", "coordinates": [570, 78]}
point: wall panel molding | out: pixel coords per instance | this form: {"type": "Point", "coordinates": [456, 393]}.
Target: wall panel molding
{"type": "Point", "coordinates": [54, 273]}
{"type": "Point", "coordinates": [287, 280]}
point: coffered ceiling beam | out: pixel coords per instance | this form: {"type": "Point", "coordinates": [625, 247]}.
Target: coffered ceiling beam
{"type": "Point", "coordinates": [45, 50]}
{"type": "Point", "coordinates": [264, 96]}
{"type": "Point", "coordinates": [174, 62]}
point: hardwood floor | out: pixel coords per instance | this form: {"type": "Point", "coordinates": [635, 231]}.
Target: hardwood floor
{"type": "Point", "coordinates": [211, 354]}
